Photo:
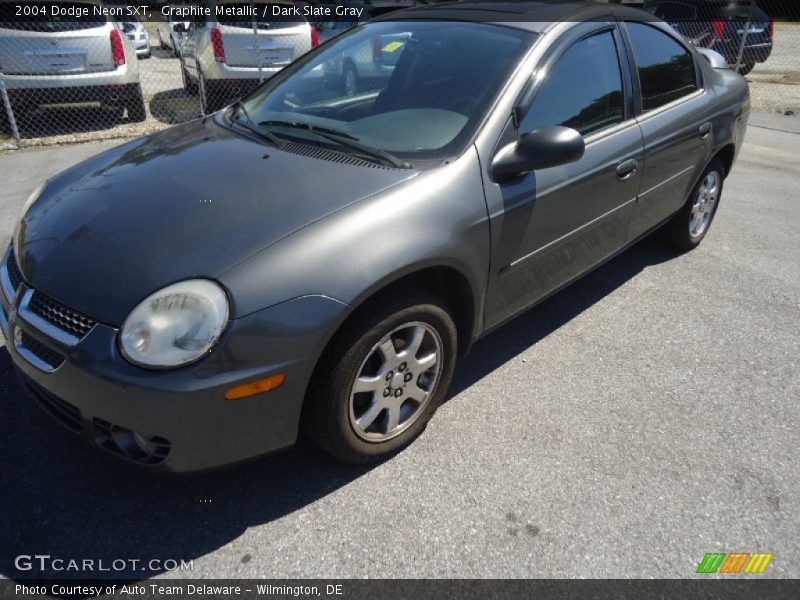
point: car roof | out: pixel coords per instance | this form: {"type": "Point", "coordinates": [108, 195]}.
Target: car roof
{"type": "Point", "coordinates": [530, 15]}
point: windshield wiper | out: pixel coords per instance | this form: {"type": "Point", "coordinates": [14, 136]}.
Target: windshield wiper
{"type": "Point", "coordinates": [239, 109]}
{"type": "Point", "coordinates": [345, 139]}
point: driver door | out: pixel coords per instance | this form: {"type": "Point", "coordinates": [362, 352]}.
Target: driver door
{"type": "Point", "coordinates": [554, 224]}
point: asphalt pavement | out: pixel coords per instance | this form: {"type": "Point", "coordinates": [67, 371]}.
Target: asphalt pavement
{"type": "Point", "coordinates": [632, 423]}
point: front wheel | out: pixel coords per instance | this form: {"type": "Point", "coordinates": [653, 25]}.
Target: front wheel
{"type": "Point", "coordinates": [689, 226]}
{"type": "Point", "coordinates": [135, 105]}
{"type": "Point", "coordinates": [382, 378]}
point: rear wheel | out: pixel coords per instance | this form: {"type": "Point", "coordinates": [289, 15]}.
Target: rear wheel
{"type": "Point", "coordinates": [382, 378]}
{"type": "Point", "coordinates": [688, 227]}
{"type": "Point", "coordinates": [746, 68]}
{"type": "Point", "coordinates": [210, 102]}
{"type": "Point", "coordinates": [188, 85]}
{"type": "Point", "coordinates": [135, 105]}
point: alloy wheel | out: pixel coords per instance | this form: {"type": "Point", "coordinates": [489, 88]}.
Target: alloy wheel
{"type": "Point", "coordinates": [704, 204]}
{"type": "Point", "coordinates": [396, 381]}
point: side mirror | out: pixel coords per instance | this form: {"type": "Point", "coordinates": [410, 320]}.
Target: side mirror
{"type": "Point", "coordinates": [542, 148]}
{"type": "Point", "coordinates": [714, 58]}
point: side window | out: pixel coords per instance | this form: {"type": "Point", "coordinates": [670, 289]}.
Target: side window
{"type": "Point", "coordinates": [666, 68]}
{"type": "Point", "coordinates": [583, 91]}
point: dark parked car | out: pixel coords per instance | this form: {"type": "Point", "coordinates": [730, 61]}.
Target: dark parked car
{"type": "Point", "coordinates": [324, 255]}
{"type": "Point", "coordinates": [721, 25]}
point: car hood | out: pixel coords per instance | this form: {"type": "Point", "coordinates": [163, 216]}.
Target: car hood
{"type": "Point", "coordinates": [191, 201]}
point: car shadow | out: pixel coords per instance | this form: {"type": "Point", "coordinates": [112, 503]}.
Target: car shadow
{"type": "Point", "coordinates": [174, 106]}
{"type": "Point", "coordinates": [70, 501]}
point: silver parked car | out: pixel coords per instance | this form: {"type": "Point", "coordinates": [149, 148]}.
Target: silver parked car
{"type": "Point", "coordinates": [140, 39]}
{"type": "Point", "coordinates": [227, 56]}
{"type": "Point", "coordinates": [74, 59]}
{"type": "Point", "coordinates": [170, 35]}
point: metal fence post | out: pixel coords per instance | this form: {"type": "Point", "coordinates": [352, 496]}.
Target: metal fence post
{"type": "Point", "coordinates": [9, 112]}
{"type": "Point", "coordinates": [740, 54]}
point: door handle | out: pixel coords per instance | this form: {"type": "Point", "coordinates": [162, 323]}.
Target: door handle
{"type": "Point", "coordinates": [705, 130]}
{"type": "Point", "coordinates": [626, 170]}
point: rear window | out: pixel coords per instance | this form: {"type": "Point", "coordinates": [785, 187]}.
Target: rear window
{"type": "Point", "coordinates": [741, 11]}
{"type": "Point", "coordinates": [268, 16]}
{"type": "Point", "coordinates": [675, 11]}
{"type": "Point", "coordinates": [51, 17]}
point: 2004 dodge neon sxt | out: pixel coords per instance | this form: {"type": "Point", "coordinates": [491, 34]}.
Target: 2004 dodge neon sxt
{"type": "Point", "coordinates": [329, 245]}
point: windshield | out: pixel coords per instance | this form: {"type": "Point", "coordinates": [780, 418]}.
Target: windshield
{"type": "Point", "coordinates": [417, 90]}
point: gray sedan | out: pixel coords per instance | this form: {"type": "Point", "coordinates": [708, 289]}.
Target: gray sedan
{"type": "Point", "coordinates": [326, 253]}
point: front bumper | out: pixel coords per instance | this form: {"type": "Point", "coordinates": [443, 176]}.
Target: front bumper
{"type": "Point", "coordinates": [97, 394]}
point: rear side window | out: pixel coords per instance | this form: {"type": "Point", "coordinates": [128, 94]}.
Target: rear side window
{"type": "Point", "coordinates": [583, 91]}
{"type": "Point", "coordinates": [666, 68]}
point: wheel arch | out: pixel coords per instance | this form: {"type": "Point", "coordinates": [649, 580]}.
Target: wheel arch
{"type": "Point", "coordinates": [446, 282]}
{"type": "Point", "coordinates": [726, 155]}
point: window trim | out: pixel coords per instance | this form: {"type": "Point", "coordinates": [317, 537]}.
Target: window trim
{"type": "Point", "coordinates": [566, 42]}
{"type": "Point", "coordinates": [637, 84]}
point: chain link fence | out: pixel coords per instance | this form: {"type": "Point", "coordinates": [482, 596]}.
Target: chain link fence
{"type": "Point", "coordinates": [69, 73]}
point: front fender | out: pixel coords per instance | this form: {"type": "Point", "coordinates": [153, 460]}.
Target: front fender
{"type": "Point", "coordinates": [438, 218]}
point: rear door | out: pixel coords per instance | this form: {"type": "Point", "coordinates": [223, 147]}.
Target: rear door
{"type": "Point", "coordinates": [45, 45]}
{"type": "Point", "coordinates": [674, 115]}
{"type": "Point", "coordinates": [265, 40]}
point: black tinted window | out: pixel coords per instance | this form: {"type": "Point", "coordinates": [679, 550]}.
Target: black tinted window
{"type": "Point", "coordinates": [666, 68]}
{"type": "Point", "coordinates": [675, 11]}
{"type": "Point", "coordinates": [583, 91]}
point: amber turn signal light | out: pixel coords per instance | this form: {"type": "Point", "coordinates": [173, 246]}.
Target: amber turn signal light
{"type": "Point", "coordinates": [259, 386]}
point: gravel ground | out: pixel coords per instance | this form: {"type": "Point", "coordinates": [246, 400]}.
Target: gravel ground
{"type": "Point", "coordinates": [775, 84]}
{"type": "Point", "coordinates": [644, 416]}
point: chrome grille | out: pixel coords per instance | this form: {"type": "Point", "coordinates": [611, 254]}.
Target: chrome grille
{"type": "Point", "coordinates": [61, 316]}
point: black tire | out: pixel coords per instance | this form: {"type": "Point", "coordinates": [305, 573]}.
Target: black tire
{"type": "Point", "coordinates": [209, 101]}
{"type": "Point", "coordinates": [135, 105]}
{"type": "Point", "coordinates": [327, 409]}
{"type": "Point", "coordinates": [678, 231]}
{"type": "Point", "coordinates": [188, 85]}
{"type": "Point", "coordinates": [746, 68]}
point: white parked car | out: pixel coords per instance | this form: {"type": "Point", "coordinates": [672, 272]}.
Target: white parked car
{"type": "Point", "coordinates": [140, 39]}
{"type": "Point", "coordinates": [227, 57]}
{"type": "Point", "coordinates": [171, 34]}
{"type": "Point", "coordinates": [73, 60]}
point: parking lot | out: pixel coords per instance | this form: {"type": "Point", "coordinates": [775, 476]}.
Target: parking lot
{"type": "Point", "coordinates": [632, 423]}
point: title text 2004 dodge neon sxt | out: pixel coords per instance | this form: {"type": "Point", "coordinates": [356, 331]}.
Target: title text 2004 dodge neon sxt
{"type": "Point", "coordinates": [321, 252]}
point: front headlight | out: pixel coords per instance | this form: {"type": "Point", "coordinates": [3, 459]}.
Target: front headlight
{"type": "Point", "coordinates": [176, 325]}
